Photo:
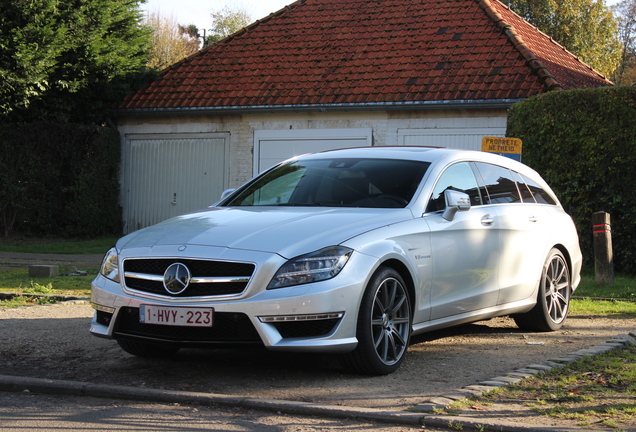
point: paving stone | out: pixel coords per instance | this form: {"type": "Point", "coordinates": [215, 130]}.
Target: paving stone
{"type": "Point", "coordinates": [493, 383]}
{"type": "Point", "coordinates": [564, 359]}
{"type": "Point", "coordinates": [554, 364]}
{"type": "Point", "coordinates": [470, 392]}
{"type": "Point", "coordinates": [520, 374]}
{"type": "Point", "coordinates": [506, 379]}
{"type": "Point", "coordinates": [427, 407]}
{"type": "Point", "coordinates": [441, 401]}
{"type": "Point", "coordinates": [530, 371]}
{"type": "Point", "coordinates": [457, 395]}
{"type": "Point", "coordinates": [480, 389]}
{"type": "Point", "coordinates": [540, 367]}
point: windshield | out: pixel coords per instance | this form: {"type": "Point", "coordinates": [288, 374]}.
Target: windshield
{"type": "Point", "coordinates": [375, 183]}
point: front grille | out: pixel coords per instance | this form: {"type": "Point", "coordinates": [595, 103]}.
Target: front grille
{"type": "Point", "coordinates": [152, 270]}
{"type": "Point", "coordinates": [304, 329]}
{"type": "Point", "coordinates": [227, 328]}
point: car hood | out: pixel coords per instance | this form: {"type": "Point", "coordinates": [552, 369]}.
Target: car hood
{"type": "Point", "coordinates": [287, 231]}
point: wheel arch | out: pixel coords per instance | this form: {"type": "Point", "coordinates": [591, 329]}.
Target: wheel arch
{"type": "Point", "coordinates": [568, 259]}
{"type": "Point", "coordinates": [404, 272]}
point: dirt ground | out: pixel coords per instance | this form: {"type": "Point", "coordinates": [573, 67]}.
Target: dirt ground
{"type": "Point", "coordinates": [54, 342]}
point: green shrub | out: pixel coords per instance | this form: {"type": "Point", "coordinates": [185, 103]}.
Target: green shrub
{"type": "Point", "coordinates": [59, 180]}
{"type": "Point", "coordinates": [583, 142]}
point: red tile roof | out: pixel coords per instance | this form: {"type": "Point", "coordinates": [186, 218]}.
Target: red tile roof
{"type": "Point", "coordinates": [371, 53]}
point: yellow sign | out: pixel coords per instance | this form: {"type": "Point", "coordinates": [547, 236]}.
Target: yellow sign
{"type": "Point", "coordinates": [510, 147]}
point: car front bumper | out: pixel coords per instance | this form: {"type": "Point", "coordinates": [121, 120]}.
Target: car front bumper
{"type": "Point", "coordinates": [319, 316]}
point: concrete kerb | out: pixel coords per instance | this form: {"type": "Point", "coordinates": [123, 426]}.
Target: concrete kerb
{"type": "Point", "coordinates": [443, 401]}
{"type": "Point", "coordinates": [75, 388]}
{"type": "Point", "coordinates": [420, 415]}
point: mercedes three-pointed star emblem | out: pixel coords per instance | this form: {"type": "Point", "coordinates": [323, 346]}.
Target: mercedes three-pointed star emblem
{"type": "Point", "coordinates": [176, 278]}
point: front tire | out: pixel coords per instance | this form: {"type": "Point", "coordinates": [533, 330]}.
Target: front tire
{"type": "Point", "coordinates": [384, 325]}
{"type": "Point", "coordinates": [553, 300]}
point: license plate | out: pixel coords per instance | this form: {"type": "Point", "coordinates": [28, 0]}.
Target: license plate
{"type": "Point", "coordinates": [176, 316]}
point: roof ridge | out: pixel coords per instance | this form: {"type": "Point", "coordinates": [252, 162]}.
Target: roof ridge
{"type": "Point", "coordinates": [548, 81]}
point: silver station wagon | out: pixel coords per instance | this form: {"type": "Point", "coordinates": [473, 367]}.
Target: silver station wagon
{"type": "Point", "coordinates": [349, 252]}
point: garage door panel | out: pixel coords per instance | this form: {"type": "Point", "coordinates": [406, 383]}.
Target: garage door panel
{"type": "Point", "coordinates": [274, 146]}
{"type": "Point", "coordinates": [273, 152]}
{"type": "Point", "coordinates": [165, 177]}
{"type": "Point", "coordinates": [465, 139]}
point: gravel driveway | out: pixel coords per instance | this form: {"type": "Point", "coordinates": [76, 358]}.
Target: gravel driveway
{"type": "Point", "coordinates": [53, 342]}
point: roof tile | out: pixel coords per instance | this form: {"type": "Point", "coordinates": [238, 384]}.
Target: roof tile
{"type": "Point", "coordinates": [361, 51]}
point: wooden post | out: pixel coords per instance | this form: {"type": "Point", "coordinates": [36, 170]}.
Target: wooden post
{"type": "Point", "coordinates": [603, 254]}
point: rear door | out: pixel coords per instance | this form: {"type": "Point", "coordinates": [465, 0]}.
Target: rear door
{"type": "Point", "coordinates": [522, 231]}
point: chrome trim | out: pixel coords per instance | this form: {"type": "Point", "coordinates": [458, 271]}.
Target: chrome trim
{"type": "Point", "coordinates": [296, 318]}
{"type": "Point", "coordinates": [219, 279]}
{"type": "Point", "coordinates": [101, 308]}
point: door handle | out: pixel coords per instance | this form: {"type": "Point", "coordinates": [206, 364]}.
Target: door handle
{"type": "Point", "coordinates": [487, 220]}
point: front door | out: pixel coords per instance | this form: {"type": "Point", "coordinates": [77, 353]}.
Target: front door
{"type": "Point", "coordinates": [465, 250]}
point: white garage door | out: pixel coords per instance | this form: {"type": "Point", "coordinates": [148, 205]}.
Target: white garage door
{"type": "Point", "coordinates": [170, 174]}
{"type": "Point", "coordinates": [460, 138]}
{"type": "Point", "coordinates": [273, 146]}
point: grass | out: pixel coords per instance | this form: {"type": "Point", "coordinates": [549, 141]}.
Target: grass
{"type": "Point", "coordinates": [624, 287]}
{"type": "Point", "coordinates": [594, 390]}
{"type": "Point", "coordinates": [594, 299]}
{"type": "Point", "coordinates": [58, 246]}
{"type": "Point", "coordinates": [21, 290]}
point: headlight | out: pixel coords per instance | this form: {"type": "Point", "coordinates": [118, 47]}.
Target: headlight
{"type": "Point", "coordinates": [313, 267]}
{"type": "Point", "coordinates": [110, 265]}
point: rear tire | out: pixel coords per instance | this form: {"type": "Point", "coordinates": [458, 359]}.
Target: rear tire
{"type": "Point", "coordinates": [384, 325]}
{"type": "Point", "coordinates": [553, 301]}
{"type": "Point", "coordinates": [144, 349]}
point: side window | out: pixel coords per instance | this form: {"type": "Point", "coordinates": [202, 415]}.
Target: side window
{"type": "Point", "coordinates": [458, 177]}
{"type": "Point", "coordinates": [526, 194]}
{"type": "Point", "coordinates": [540, 195]}
{"type": "Point", "coordinates": [500, 184]}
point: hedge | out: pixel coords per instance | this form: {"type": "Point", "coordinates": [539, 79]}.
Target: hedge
{"type": "Point", "coordinates": [583, 142]}
{"type": "Point", "coordinates": [59, 180]}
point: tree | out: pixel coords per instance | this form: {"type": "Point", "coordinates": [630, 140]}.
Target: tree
{"type": "Point", "coordinates": [68, 60]}
{"type": "Point", "coordinates": [587, 28]}
{"type": "Point", "coordinates": [625, 12]}
{"type": "Point", "coordinates": [225, 22]}
{"type": "Point", "coordinates": [171, 42]}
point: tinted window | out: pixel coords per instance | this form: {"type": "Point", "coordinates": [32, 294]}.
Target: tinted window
{"type": "Point", "coordinates": [500, 184]}
{"type": "Point", "coordinates": [540, 195]}
{"type": "Point", "coordinates": [375, 183]}
{"type": "Point", "coordinates": [458, 177]}
{"type": "Point", "coordinates": [524, 190]}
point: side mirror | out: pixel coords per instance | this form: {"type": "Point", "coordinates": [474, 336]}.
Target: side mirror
{"type": "Point", "coordinates": [455, 201]}
{"type": "Point", "coordinates": [226, 193]}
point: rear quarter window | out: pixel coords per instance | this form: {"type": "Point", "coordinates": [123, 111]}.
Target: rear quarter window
{"type": "Point", "coordinates": [540, 195]}
{"type": "Point", "coordinates": [500, 184]}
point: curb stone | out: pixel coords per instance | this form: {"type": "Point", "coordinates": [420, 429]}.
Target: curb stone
{"type": "Point", "coordinates": [442, 402]}
{"type": "Point", "coordinates": [407, 418]}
